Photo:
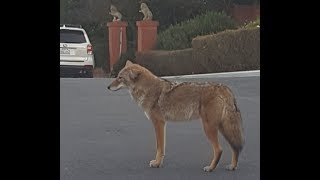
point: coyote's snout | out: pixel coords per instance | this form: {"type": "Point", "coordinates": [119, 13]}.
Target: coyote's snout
{"type": "Point", "coordinates": [163, 100]}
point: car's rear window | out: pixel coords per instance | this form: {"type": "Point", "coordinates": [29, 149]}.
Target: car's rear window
{"type": "Point", "coordinates": [71, 36]}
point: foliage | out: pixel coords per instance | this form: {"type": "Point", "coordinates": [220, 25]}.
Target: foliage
{"type": "Point", "coordinates": [181, 35]}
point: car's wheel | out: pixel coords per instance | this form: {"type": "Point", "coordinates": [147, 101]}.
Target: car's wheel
{"type": "Point", "coordinates": [89, 74]}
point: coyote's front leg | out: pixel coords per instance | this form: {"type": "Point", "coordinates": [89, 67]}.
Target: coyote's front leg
{"type": "Point", "coordinates": [159, 127]}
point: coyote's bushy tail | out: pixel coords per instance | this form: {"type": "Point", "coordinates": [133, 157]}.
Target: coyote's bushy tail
{"type": "Point", "coordinates": [231, 127]}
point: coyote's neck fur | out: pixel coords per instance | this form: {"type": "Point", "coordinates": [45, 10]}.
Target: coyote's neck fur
{"type": "Point", "coordinates": [147, 97]}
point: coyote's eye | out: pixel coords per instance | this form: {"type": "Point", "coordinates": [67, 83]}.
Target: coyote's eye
{"type": "Point", "coordinates": [120, 78]}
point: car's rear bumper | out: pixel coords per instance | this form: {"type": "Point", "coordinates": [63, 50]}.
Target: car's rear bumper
{"type": "Point", "coordinates": [79, 61]}
{"type": "Point", "coordinates": [76, 71]}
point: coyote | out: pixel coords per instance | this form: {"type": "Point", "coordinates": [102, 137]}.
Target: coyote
{"type": "Point", "coordinates": [162, 100]}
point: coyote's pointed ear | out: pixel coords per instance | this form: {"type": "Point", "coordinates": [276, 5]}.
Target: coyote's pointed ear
{"type": "Point", "coordinates": [134, 75]}
{"type": "Point", "coordinates": [128, 63]}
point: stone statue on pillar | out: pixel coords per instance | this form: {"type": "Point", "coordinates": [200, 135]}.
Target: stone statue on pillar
{"type": "Point", "coordinates": [115, 13]}
{"type": "Point", "coordinates": [144, 9]}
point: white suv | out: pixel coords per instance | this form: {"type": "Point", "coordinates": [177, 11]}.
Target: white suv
{"type": "Point", "coordinates": [76, 53]}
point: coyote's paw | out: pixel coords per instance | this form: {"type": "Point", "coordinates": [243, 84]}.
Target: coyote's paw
{"type": "Point", "coordinates": [155, 164]}
{"type": "Point", "coordinates": [208, 169]}
{"type": "Point", "coordinates": [231, 167]}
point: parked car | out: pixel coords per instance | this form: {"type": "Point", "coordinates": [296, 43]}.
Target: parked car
{"type": "Point", "coordinates": [76, 52]}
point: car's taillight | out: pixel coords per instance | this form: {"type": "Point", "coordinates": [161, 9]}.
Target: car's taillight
{"type": "Point", "coordinates": [89, 49]}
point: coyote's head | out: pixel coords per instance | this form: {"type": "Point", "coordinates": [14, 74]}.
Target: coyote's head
{"type": "Point", "coordinates": [127, 77]}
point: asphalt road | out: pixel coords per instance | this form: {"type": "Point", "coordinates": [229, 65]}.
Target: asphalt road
{"type": "Point", "coordinates": [105, 135]}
